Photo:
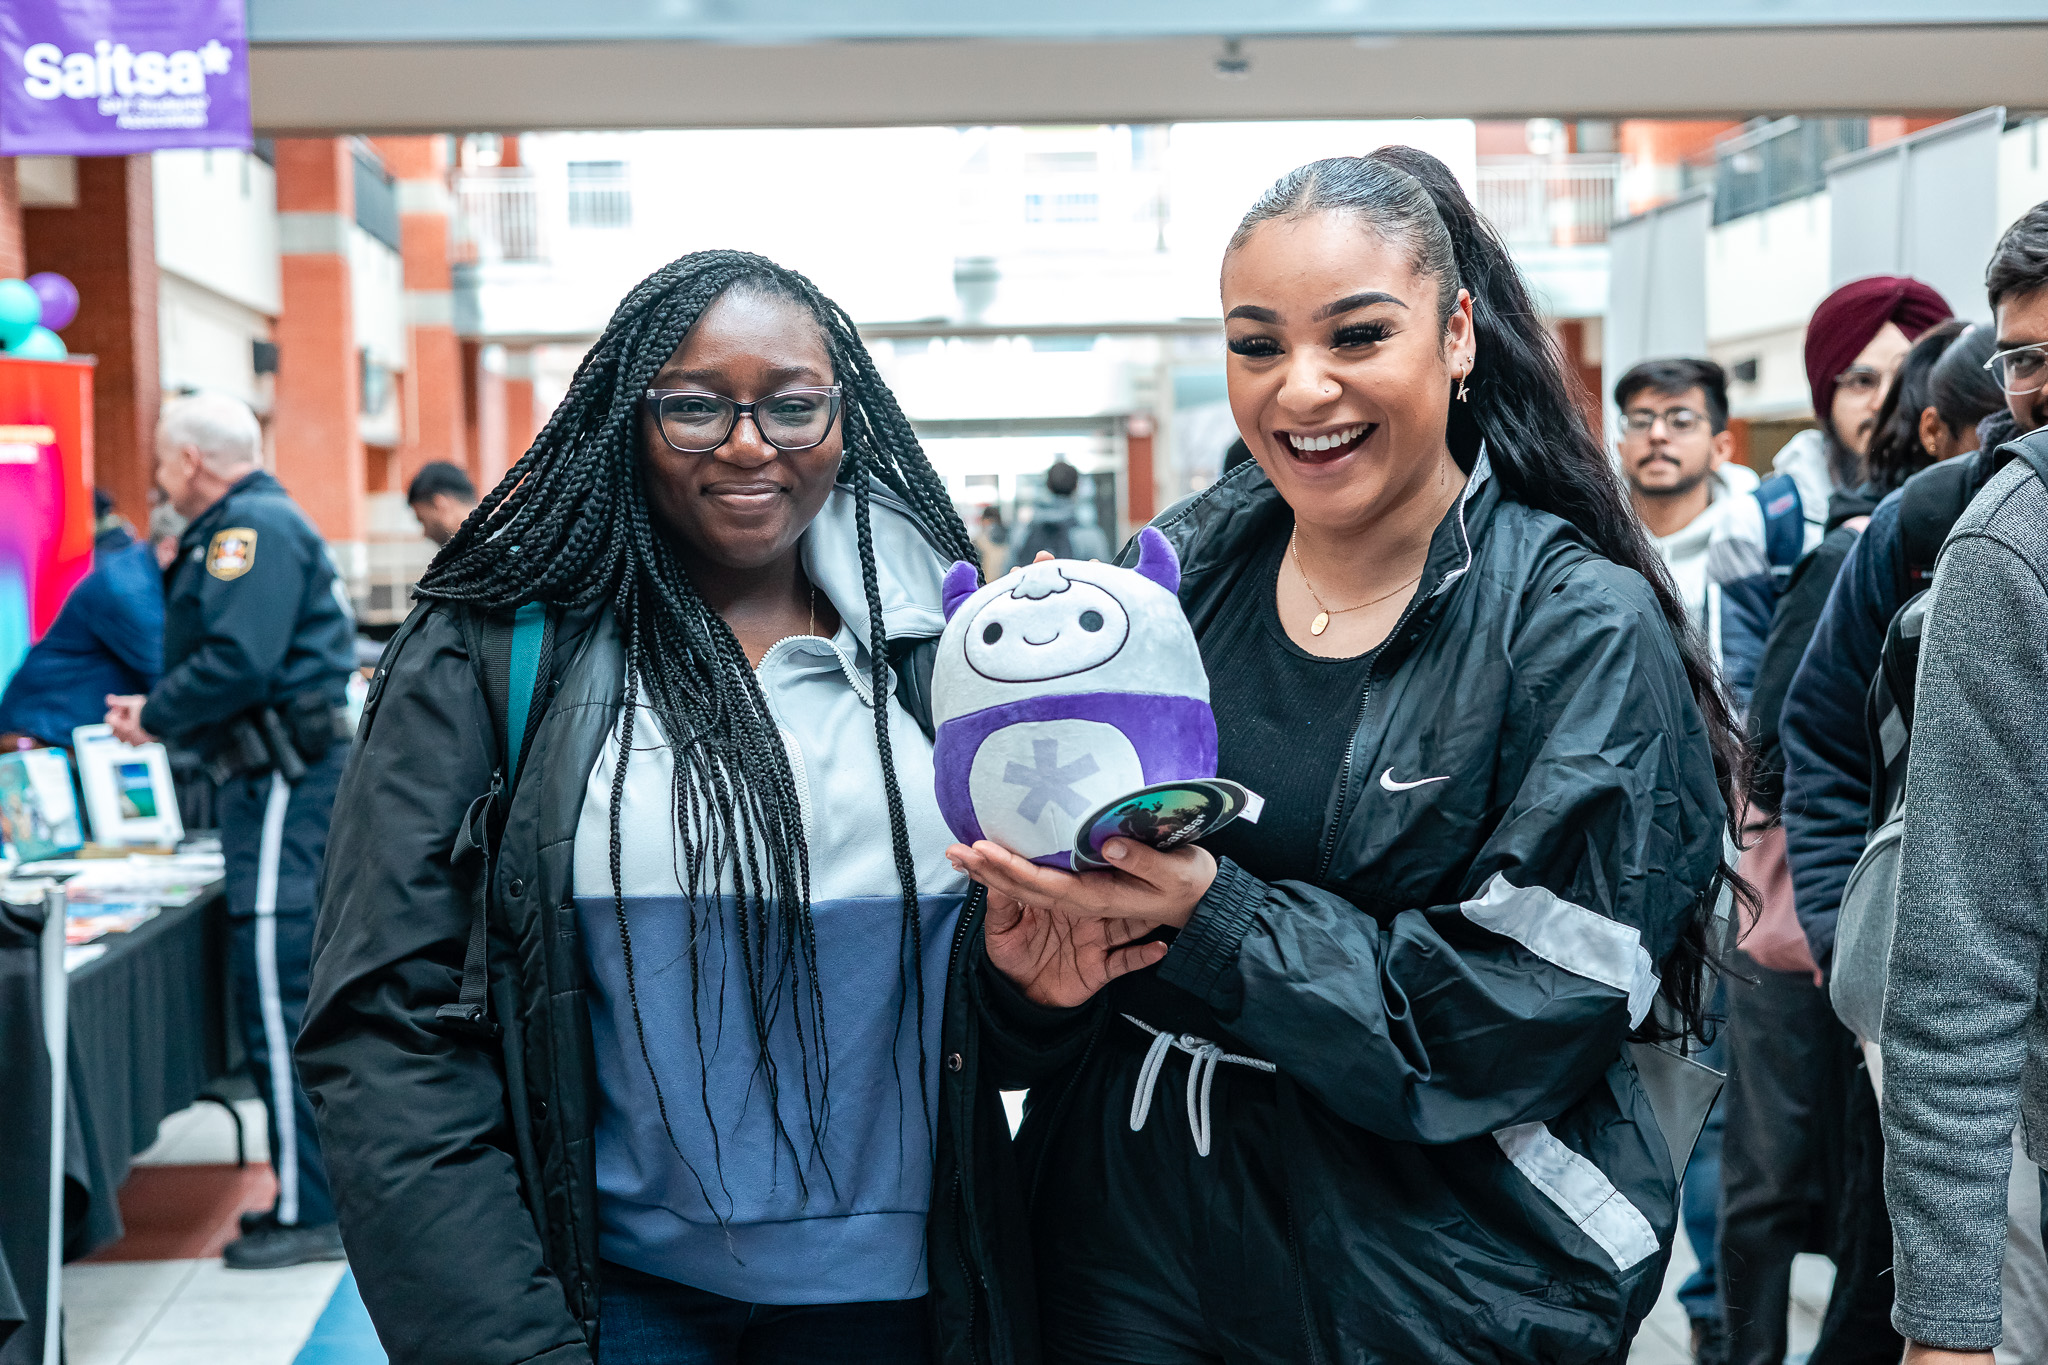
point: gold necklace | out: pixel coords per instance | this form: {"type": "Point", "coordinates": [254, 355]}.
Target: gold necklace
{"type": "Point", "coordinates": [1323, 613]}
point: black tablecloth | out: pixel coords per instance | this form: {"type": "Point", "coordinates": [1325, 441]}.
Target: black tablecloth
{"type": "Point", "coordinates": [148, 1032]}
{"type": "Point", "coordinates": [24, 1139]}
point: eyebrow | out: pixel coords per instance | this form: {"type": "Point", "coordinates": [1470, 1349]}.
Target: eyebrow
{"type": "Point", "coordinates": [1252, 312]}
{"type": "Point", "coordinates": [1351, 303]}
{"type": "Point", "coordinates": [779, 374]}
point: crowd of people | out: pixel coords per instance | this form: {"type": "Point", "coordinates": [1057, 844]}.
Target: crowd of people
{"type": "Point", "coordinates": [619, 993]}
{"type": "Point", "coordinates": [1815, 588]}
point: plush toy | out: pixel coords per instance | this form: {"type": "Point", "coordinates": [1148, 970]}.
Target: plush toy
{"type": "Point", "coordinates": [1061, 686]}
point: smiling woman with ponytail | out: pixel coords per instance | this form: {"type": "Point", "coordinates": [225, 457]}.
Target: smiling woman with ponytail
{"type": "Point", "coordinates": [680, 1096]}
{"type": "Point", "coordinates": [1393, 1028]}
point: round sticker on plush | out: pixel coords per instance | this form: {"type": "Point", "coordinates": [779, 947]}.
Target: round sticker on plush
{"type": "Point", "coordinates": [1061, 686]}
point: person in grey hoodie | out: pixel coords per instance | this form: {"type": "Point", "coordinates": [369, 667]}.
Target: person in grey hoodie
{"type": "Point", "coordinates": [1965, 1020]}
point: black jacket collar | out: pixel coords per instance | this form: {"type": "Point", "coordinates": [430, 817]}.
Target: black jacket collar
{"type": "Point", "coordinates": [1217, 530]}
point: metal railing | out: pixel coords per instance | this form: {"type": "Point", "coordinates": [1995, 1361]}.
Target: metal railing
{"type": "Point", "coordinates": [1548, 201]}
{"type": "Point", "coordinates": [497, 217]}
{"type": "Point", "coordinates": [1774, 162]}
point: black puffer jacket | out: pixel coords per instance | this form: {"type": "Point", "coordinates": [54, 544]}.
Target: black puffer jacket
{"type": "Point", "coordinates": [465, 1169]}
{"type": "Point", "coordinates": [1472, 1168]}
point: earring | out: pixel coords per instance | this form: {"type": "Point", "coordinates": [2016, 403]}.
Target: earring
{"type": "Point", "coordinates": [1462, 395]}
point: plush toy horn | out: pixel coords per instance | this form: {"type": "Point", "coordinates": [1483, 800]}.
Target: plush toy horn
{"type": "Point", "coordinates": [1157, 561]}
{"type": "Point", "coordinates": [961, 581]}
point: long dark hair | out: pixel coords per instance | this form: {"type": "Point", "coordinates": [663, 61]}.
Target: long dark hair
{"type": "Point", "coordinates": [1896, 453]}
{"type": "Point", "coordinates": [1533, 425]}
{"type": "Point", "coordinates": [570, 525]}
{"type": "Point", "coordinates": [1959, 387]}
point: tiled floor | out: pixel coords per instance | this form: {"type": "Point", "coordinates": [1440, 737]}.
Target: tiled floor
{"type": "Point", "coordinates": [192, 1312]}
{"type": "Point", "coordinates": [137, 1304]}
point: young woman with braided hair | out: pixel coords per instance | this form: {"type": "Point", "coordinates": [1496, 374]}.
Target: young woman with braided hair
{"type": "Point", "coordinates": [699, 1117]}
{"type": "Point", "coordinates": [1404, 1007]}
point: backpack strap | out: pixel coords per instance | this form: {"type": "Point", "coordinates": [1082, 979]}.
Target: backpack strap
{"type": "Point", "coordinates": [532, 643]}
{"type": "Point", "coordinates": [1784, 522]}
{"type": "Point", "coordinates": [2033, 448]}
{"type": "Point", "coordinates": [516, 659]}
{"type": "Point", "coordinates": [1929, 504]}
{"type": "Point", "coordinates": [1888, 710]}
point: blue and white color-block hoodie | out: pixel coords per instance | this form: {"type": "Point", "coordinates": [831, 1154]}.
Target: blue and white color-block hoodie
{"type": "Point", "coordinates": [730, 1213]}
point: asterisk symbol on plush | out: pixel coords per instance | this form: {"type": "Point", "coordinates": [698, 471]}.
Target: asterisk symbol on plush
{"type": "Point", "coordinates": [215, 57]}
{"type": "Point", "coordinates": [1046, 782]}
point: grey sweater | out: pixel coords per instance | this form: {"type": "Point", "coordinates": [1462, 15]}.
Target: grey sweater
{"type": "Point", "coordinates": [1965, 1015]}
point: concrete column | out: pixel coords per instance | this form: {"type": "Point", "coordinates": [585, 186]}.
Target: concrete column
{"type": "Point", "coordinates": [434, 417]}
{"type": "Point", "coordinates": [320, 455]}
{"type": "Point", "coordinates": [106, 244]}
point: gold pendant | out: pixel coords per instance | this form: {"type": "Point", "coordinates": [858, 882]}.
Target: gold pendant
{"type": "Point", "coordinates": [1320, 624]}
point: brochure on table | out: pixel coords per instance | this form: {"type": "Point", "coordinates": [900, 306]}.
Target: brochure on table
{"type": "Point", "coordinates": [110, 896]}
{"type": "Point", "coordinates": [38, 811]}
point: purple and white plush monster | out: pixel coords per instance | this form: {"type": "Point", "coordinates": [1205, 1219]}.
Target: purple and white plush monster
{"type": "Point", "coordinates": [1059, 687]}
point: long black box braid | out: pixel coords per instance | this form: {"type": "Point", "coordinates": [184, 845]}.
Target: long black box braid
{"type": "Point", "coordinates": [569, 525]}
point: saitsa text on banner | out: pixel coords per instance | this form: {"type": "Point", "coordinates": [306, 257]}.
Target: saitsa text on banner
{"type": "Point", "coordinates": [110, 77]}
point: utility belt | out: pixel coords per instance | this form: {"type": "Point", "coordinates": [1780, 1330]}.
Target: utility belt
{"type": "Point", "coordinates": [286, 739]}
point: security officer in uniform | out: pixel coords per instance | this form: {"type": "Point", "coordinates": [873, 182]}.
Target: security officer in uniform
{"type": "Point", "coordinates": [258, 646]}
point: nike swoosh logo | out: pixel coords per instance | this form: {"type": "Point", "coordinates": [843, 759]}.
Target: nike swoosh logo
{"type": "Point", "coordinates": [1387, 781]}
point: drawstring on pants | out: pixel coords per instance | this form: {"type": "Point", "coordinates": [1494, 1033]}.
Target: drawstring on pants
{"type": "Point", "coordinates": [1201, 1074]}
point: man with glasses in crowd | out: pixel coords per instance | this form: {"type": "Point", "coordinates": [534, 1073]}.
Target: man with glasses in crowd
{"type": "Point", "coordinates": [1675, 454]}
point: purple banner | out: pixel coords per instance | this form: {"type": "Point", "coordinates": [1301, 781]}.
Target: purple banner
{"type": "Point", "coordinates": [109, 77]}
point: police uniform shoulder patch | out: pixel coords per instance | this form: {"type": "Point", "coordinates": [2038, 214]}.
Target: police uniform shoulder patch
{"type": "Point", "coordinates": [232, 553]}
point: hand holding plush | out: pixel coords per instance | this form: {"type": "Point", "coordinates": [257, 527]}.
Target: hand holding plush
{"type": "Point", "coordinates": [1060, 686]}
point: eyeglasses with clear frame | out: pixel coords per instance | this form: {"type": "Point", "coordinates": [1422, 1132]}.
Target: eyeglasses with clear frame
{"type": "Point", "coordinates": [2022, 369]}
{"type": "Point", "coordinates": [1677, 421]}
{"type": "Point", "coordinates": [698, 422]}
{"type": "Point", "coordinates": [1861, 379]}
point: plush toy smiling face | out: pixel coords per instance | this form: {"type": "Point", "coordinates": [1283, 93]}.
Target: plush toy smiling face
{"type": "Point", "coordinates": [1066, 626]}
{"type": "Point", "coordinates": [1047, 626]}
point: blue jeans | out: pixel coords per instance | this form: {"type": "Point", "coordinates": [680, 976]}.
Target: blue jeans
{"type": "Point", "coordinates": [1699, 1197]}
{"type": "Point", "coordinates": [646, 1320]}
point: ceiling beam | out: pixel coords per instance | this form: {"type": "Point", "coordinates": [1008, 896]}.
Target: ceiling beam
{"type": "Point", "coordinates": [395, 87]}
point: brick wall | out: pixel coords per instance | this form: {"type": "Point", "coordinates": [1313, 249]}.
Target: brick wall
{"type": "Point", "coordinates": [320, 455]}
{"type": "Point", "coordinates": [107, 246]}
{"type": "Point", "coordinates": [434, 426]}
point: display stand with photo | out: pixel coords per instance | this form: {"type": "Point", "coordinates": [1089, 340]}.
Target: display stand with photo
{"type": "Point", "coordinates": [128, 793]}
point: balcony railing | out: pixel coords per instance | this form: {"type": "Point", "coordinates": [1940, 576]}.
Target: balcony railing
{"type": "Point", "coordinates": [497, 217]}
{"type": "Point", "coordinates": [1767, 165]}
{"type": "Point", "coordinates": [1548, 201]}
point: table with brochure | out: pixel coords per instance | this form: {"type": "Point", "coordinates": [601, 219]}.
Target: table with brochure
{"type": "Point", "coordinates": [146, 959]}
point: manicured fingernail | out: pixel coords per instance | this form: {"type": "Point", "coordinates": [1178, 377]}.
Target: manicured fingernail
{"type": "Point", "coordinates": [1116, 850]}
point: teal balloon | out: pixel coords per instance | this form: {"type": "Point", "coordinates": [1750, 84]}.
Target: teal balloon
{"type": "Point", "coordinates": [21, 312]}
{"type": "Point", "coordinates": [40, 344]}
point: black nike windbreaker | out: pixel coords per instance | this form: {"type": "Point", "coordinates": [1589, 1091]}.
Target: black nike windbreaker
{"type": "Point", "coordinates": [1474, 1172]}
